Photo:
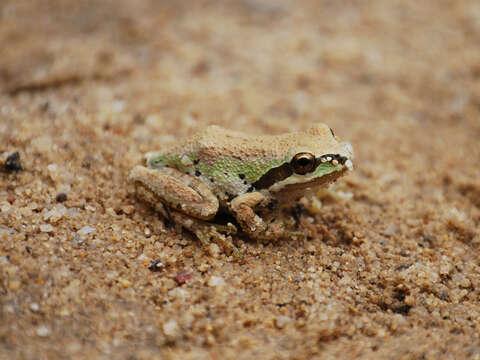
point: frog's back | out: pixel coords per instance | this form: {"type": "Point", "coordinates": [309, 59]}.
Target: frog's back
{"type": "Point", "coordinates": [214, 142]}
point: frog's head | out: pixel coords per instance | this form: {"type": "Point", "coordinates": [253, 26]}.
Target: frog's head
{"type": "Point", "coordinates": [311, 159]}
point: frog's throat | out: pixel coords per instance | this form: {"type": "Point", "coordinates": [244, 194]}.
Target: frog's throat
{"type": "Point", "coordinates": [284, 175]}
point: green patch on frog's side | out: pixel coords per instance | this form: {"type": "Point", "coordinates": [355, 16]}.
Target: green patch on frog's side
{"type": "Point", "coordinates": [251, 170]}
{"type": "Point", "coordinates": [226, 167]}
{"type": "Point", "coordinates": [326, 168]}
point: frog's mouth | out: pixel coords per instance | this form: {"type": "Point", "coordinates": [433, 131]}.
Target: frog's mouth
{"type": "Point", "coordinates": [292, 186]}
{"type": "Point", "coordinates": [327, 169]}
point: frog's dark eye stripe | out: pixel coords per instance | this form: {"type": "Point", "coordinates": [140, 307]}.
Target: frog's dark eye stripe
{"type": "Point", "coordinates": [331, 130]}
{"type": "Point", "coordinates": [274, 175]}
{"type": "Point", "coordinates": [299, 164]}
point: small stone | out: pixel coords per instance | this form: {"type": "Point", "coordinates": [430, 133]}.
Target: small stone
{"type": "Point", "coordinates": [61, 197]}
{"type": "Point", "coordinates": [11, 199]}
{"type": "Point", "coordinates": [13, 163]}
{"type": "Point", "coordinates": [171, 329]}
{"type": "Point", "coordinates": [128, 209]}
{"type": "Point", "coordinates": [281, 321]}
{"type": "Point", "coordinates": [170, 284]}
{"type": "Point", "coordinates": [462, 281]}
{"type": "Point", "coordinates": [55, 214]}
{"type": "Point", "coordinates": [182, 277]}
{"type": "Point", "coordinates": [86, 230]}
{"type": "Point", "coordinates": [216, 281]}
{"type": "Point", "coordinates": [43, 331]}
{"type": "Point", "coordinates": [125, 283]}
{"type": "Point", "coordinates": [156, 265]}
{"type": "Point", "coordinates": [46, 228]}
{"type": "Point", "coordinates": [203, 267]}
{"type": "Point", "coordinates": [213, 250]}
{"type": "Point", "coordinates": [311, 248]}
{"type": "Point", "coordinates": [15, 285]}
{"type": "Point", "coordinates": [34, 307]}
{"type": "Point", "coordinates": [77, 241]}
{"type": "Point", "coordinates": [144, 259]}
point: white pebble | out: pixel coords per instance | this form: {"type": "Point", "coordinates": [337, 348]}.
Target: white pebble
{"type": "Point", "coordinates": [85, 230]}
{"type": "Point", "coordinates": [43, 331]}
{"type": "Point", "coordinates": [142, 257]}
{"type": "Point", "coordinates": [281, 321]}
{"type": "Point", "coordinates": [118, 106]}
{"type": "Point", "coordinates": [171, 329]}
{"type": "Point", "coordinates": [216, 281]}
{"type": "Point", "coordinates": [34, 307]}
{"type": "Point", "coordinates": [46, 228]}
{"type": "Point", "coordinates": [55, 214]}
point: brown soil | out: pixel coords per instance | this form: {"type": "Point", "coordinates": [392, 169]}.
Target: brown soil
{"type": "Point", "coordinates": [87, 87]}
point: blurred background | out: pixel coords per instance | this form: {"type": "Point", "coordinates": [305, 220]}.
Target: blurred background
{"type": "Point", "coordinates": [87, 87]}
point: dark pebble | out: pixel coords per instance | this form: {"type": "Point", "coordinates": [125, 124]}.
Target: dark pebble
{"type": "Point", "coordinates": [13, 162]}
{"type": "Point", "coordinates": [156, 265]}
{"type": "Point", "coordinates": [182, 277]}
{"type": "Point", "coordinates": [61, 197]}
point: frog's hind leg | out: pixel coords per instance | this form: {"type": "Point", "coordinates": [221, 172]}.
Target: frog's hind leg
{"type": "Point", "coordinates": [185, 201]}
{"type": "Point", "coordinates": [175, 190]}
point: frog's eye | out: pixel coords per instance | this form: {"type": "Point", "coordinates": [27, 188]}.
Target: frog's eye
{"type": "Point", "coordinates": [303, 163]}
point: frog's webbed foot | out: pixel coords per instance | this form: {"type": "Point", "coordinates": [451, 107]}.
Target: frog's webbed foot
{"type": "Point", "coordinates": [243, 208]}
{"type": "Point", "coordinates": [217, 233]}
{"type": "Point", "coordinates": [207, 232]}
{"type": "Point", "coordinates": [277, 230]}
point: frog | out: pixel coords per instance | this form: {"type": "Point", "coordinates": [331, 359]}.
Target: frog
{"type": "Point", "coordinates": [253, 179]}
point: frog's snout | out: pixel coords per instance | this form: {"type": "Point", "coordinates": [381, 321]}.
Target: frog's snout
{"type": "Point", "coordinates": [349, 149]}
{"type": "Point", "coordinates": [349, 155]}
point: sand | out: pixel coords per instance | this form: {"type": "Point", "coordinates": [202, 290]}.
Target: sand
{"type": "Point", "coordinates": [392, 270]}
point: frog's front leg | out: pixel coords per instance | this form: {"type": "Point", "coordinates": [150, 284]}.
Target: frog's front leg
{"type": "Point", "coordinates": [243, 207]}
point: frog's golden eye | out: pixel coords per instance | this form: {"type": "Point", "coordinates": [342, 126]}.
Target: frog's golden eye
{"type": "Point", "coordinates": [303, 163]}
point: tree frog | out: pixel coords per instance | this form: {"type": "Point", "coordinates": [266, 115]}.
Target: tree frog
{"type": "Point", "coordinates": [254, 178]}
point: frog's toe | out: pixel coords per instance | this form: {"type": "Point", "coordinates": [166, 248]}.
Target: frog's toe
{"type": "Point", "coordinates": [213, 234]}
{"type": "Point", "coordinates": [298, 235]}
{"type": "Point", "coordinates": [229, 229]}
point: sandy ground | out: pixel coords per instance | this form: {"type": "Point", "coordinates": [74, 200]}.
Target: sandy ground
{"type": "Point", "coordinates": [87, 87]}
